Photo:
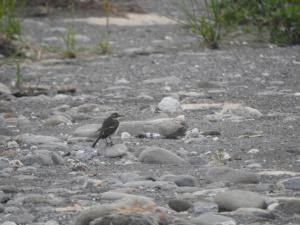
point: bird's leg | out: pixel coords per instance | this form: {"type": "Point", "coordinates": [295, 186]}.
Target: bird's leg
{"type": "Point", "coordinates": [111, 143]}
{"type": "Point", "coordinates": [105, 141]}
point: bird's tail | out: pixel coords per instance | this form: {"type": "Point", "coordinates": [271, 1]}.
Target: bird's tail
{"type": "Point", "coordinates": [95, 142]}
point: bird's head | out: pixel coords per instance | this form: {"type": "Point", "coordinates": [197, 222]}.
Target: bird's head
{"type": "Point", "coordinates": [115, 115]}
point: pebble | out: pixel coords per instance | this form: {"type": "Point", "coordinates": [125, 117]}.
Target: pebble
{"type": "Point", "coordinates": [115, 151]}
{"type": "Point", "coordinates": [179, 205]}
{"type": "Point", "coordinates": [170, 105]}
{"type": "Point", "coordinates": [227, 174]}
{"type": "Point", "coordinates": [156, 155]}
{"type": "Point", "coordinates": [234, 199]}
{"type": "Point", "coordinates": [186, 180]}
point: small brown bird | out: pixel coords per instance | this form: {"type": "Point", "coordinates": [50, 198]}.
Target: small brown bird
{"type": "Point", "coordinates": [109, 127]}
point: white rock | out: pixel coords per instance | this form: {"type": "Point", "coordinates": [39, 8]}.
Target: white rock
{"type": "Point", "coordinates": [253, 151]}
{"type": "Point", "coordinates": [170, 105]}
{"type": "Point", "coordinates": [4, 89]}
{"type": "Point", "coordinates": [125, 135]}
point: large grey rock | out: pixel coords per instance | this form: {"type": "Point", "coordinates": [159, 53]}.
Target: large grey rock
{"type": "Point", "coordinates": [156, 155]}
{"type": "Point", "coordinates": [169, 105]}
{"type": "Point", "coordinates": [186, 180]}
{"type": "Point", "coordinates": [166, 127]}
{"type": "Point", "coordinates": [43, 157]}
{"type": "Point", "coordinates": [88, 130]}
{"type": "Point", "coordinates": [228, 174]}
{"type": "Point", "coordinates": [232, 200]}
{"type": "Point", "coordinates": [179, 205]}
{"type": "Point", "coordinates": [290, 183]}
{"type": "Point", "coordinates": [213, 219]}
{"type": "Point", "coordinates": [57, 120]}
{"type": "Point", "coordinates": [290, 206]}
{"type": "Point", "coordinates": [45, 141]}
{"type": "Point", "coordinates": [117, 150]}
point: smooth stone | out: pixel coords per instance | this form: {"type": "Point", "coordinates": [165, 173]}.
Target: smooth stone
{"type": "Point", "coordinates": [43, 158]}
{"type": "Point", "coordinates": [8, 223]}
{"type": "Point", "coordinates": [4, 163]}
{"type": "Point", "coordinates": [213, 219]}
{"type": "Point", "coordinates": [290, 206]}
{"type": "Point", "coordinates": [228, 174]}
{"type": "Point", "coordinates": [51, 222]}
{"type": "Point", "coordinates": [57, 120]}
{"type": "Point", "coordinates": [88, 130]}
{"type": "Point", "coordinates": [201, 207]}
{"type": "Point", "coordinates": [88, 107]}
{"type": "Point", "coordinates": [130, 177]}
{"type": "Point", "coordinates": [290, 183]}
{"type": "Point", "coordinates": [169, 105]}
{"type": "Point", "coordinates": [156, 155]}
{"type": "Point", "coordinates": [165, 127]}
{"type": "Point", "coordinates": [45, 141]}
{"type": "Point", "coordinates": [186, 180]}
{"type": "Point", "coordinates": [122, 219]}
{"type": "Point", "coordinates": [179, 205]}
{"type": "Point", "coordinates": [234, 199]}
{"type": "Point", "coordinates": [117, 150]}
{"type": "Point", "coordinates": [5, 132]}
{"type": "Point", "coordinates": [4, 89]}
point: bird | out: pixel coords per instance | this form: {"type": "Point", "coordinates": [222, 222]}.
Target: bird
{"type": "Point", "coordinates": [108, 128]}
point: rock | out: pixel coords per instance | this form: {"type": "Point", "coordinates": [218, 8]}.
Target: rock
{"type": "Point", "coordinates": [232, 200]}
{"type": "Point", "coordinates": [290, 183]}
{"type": "Point", "coordinates": [201, 207]}
{"type": "Point", "coordinates": [88, 107]}
{"type": "Point", "coordinates": [43, 158]}
{"type": "Point", "coordinates": [57, 120]}
{"type": "Point", "coordinates": [166, 127]}
{"type": "Point", "coordinates": [289, 206]}
{"type": "Point", "coordinates": [209, 85]}
{"type": "Point", "coordinates": [10, 189]}
{"type": "Point", "coordinates": [201, 106]}
{"type": "Point", "coordinates": [227, 174]}
{"type": "Point", "coordinates": [121, 219]}
{"type": "Point", "coordinates": [51, 222]}
{"type": "Point", "coordinates": [88, 215]}
{"type": "Point", "coordinates": [213, 219]}
{"type": "Point", "coordinates": [156, 155]}
{"type": "Point", "coordinates": [179, 205]}
{"type": "Point", "coordinates": [240, 110]}
{"type": "Point", "coordinates": [4, 163]}
{"type": "Point", "coordinates": [186, 180]}
{"type": "Point", "coordinates": [82, 38]}
{"type": "Point", "coordinates": [117, 150]}
{"type": "Point", "coordinates": [8, 223]}
{"type": "Point", "coordinates": [252, 213]}
{"type": "Point", "coordinates": [125, 135]}
{"type": "Point", "coordinates": [88, 130]}
{"type": "Point", "coordinates": [170, 105]}
{"type": "Point", "coordinates": [4, 89]}
{"type": "Point", "coordinates": [3, 197]}
{"type": "Point", "coordinates": [45, 141]}
{"type": "Point", "coordinates": [163, 80]}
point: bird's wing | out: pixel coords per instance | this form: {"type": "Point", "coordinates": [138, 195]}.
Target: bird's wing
{"type": "Point", "coordinates": [109, 126]}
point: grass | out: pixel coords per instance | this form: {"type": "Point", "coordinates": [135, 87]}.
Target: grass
{"type": "Point", "coordinates": [104, 41]}
{"type": "Point", "coordinates": [278, 18]}
{"type": "Point", "coordinates": [10, 26]}
{"type": "Point", "coordinates": [19, 76]}
{"type": "Point", "coordinates": [208, 26]}
{"type": "Point", "coordinates": [70, 44]}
